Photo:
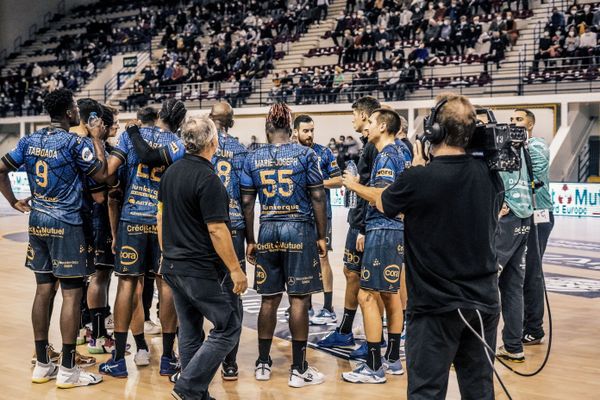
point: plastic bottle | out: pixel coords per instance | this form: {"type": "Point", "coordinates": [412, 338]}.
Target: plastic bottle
{"type": "Point", "coordinates": [93, 120]}
{"type": "Point", "coordinates": [350, 199]}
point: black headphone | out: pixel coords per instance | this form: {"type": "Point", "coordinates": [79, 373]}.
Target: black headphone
{"type": "Point", "coordinates": [433, 132]}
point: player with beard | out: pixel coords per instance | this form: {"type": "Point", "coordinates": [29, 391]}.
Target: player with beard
{"type": "Point", "coordinates": [304, 130]}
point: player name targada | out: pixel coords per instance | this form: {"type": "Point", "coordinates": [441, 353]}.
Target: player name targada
{"type": "Point", "coordinates": [39, 152]}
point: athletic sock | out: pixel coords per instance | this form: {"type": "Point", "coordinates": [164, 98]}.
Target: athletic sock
{"type": "Point", "coordinates": [328, 296]}
{"type": "Point", "coordinates": [140, 342]}
{"type": "Point", "coordinates": [382, 337]}
{"type": "Point", "coordinates": [347, 321]}
{"type": "Point", "coordinates": [309, 303]}
{"type": "Point", "coordinates": [41, 351]}
{"type": "Point", "coordinates": [299, 355]}
{"type": "Point", "coordinates": [374, 355]}
{"type": "Point", "coordinates": [98, 325]}
{"type": "Point", "coordinates": [68, 355]}
{"type": "Point", "coordinates": [120, 345]}
{"type": "Point", "coordinates": [264, 348]}
{"type": "Point", "coordinates": [168, 342]}
{"type": "Point", "coordinates": [106, 311]}
{"type": "Point", "coordinates": [392, 353]}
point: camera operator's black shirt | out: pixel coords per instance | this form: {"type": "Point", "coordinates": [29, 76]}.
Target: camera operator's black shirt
{"type": "Point", "coordinates": [192, 196]}
{"type": "Point", "coordinates": [450, 211]}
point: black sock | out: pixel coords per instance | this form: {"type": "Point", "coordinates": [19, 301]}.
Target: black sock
{"type": "Point", "coordinates": [168, 342]}
{"type": "Point", "coordinates": [140, 342]}
{"type": "Point", "coordinates": [347, 321]}
{"type": "Point", "coordinates": [374, 355]}
{"type": "Point", "coordinates": [41, 351]}
{"type": "Point", "coordinates": [264, 348]}
{"type": "Point", "coordinates": [382, 337]}
{"type": "Point", "coordinates": [120, 345]}
{"type": "Point", "coordinates": [68, 355]}
{"type": "Point", "coordinates": [392, 352]}
{"type": "Point", "coordinates": [299, 355]}
{"type": "Point", "coordinates": [309, 303]}
{"type": "Point", "coordinates": [328, 296]}
{"type": "Point", "coordinates": [98, 326]}
{"type": "Point", "coordinates": [106, 311]}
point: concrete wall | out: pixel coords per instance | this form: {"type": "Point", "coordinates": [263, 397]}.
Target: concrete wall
{"type": "Point", "coordinates": [16, 16]}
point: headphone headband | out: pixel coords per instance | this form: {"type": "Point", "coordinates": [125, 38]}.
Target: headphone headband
{"type": "Point", "coordinates": [433, 131]}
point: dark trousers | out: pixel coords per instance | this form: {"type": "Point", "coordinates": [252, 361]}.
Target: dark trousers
{"type": "Point", "coordinates": [533, 288]}
{"type": "Point", "coordinates": [196, 299]}
{"type": "Point", "coordinates": [511, 247]}
{"type": "Point", "coordinates": [435, 341]}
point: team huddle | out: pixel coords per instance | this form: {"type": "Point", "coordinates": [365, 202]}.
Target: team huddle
{"type": "Point", "coordinates": [96, 209]}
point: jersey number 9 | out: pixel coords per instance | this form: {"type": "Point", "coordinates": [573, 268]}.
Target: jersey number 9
{"type": "Point", "coordinates": [283, 184]}
{"type": "Point", "coordinates": [223, 171]}
{"type": "Point", "coordinates": [41, 173]}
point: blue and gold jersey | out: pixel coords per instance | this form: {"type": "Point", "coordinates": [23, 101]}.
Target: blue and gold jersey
{"type": "Point", "coordinates": [405, 152]}
{"type": "Point", "coordinates": [388, 164]}
{"type": "Point", "coordinates": [282, 175]}
{"type": "Point", "coordinates": [57, 162]}
{"type": "Point", "coordinates": [329, 169]}
{"type": "Point", "coordinates": [140, 201]}
{"type": "Point", "coordinates": [229, 163]}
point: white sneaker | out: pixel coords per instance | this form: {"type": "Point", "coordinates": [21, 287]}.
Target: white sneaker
{"type": "Point", "coordinates": [323, 317]}
{"type": "Point", "coordinates": [364, 374]}
{"type": "Point", "coordinates": [74, 377]}
{"type": "Point", "coordinates": [262, 371]}
{"type": "Point", "coordinates": [151, 328]}
{"type": "Point", "coordinates": [42, 373]}
{"type": "Point", "coordinates": [142, 358]}
{"type": "Point", "coordinates": [109, 322]}
{"type": "Point", "coordinates": [310, 377]}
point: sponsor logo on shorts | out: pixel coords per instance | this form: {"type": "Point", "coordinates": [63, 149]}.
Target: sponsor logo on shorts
{"type": "Point", "coordinates": [400, 249]}
{"type": "Point", "coordinates": [351, 258]}
{"type": "Point", "coordinates": [391, 273]}
{"type": "Point", "coordinates": [81, 249]}
{"type": "Point", "coordinates": [291, 281]}
{"type": "Point", "coordinates": [277, 246]}
{"type": "Point", "coordinates": [142, 228]}
{"type": "Point", "coordinates": [365, 275]}
{"type": "Point", "coordinates": [30, 252]}
{"type": "Point", "coordinates": [261, 275]}
{"type": "Point", "coordinates": [44, 231]}
{"type": "Point", "coordinates": [128, 255]}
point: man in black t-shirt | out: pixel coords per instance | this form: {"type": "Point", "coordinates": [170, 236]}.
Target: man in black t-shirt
{"type": "Point", "coordinates": [450, 208]}
{"type": "Point", "coordinates": [198, 255]}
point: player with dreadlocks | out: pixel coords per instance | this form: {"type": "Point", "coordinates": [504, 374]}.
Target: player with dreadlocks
{"type": "Point", "coordinates": [137, 248]}
{"type": "Point", "coordinates": [288, 181]}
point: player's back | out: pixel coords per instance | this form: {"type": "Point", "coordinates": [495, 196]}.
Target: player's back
{"type": "Point", "coordinates": [56, 161]}
{"type": "Point", "coordinates": [141, 193]}
{"type": "Point", "coordinates": [229, 162]}
{"type": "Point", "coordinates": [282, 174]}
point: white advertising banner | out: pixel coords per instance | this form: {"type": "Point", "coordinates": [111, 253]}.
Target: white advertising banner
{"type": "Point", "coordinates": [576, 199]}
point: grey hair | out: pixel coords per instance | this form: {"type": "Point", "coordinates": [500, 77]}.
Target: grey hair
{"type": "Point", "coordinates": [197, 133]}
{"type": "Point", "coordinates": [403, 124]}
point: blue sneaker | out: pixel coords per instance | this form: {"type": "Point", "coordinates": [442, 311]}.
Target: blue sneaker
{"type": "Point", "coordinates": [392, 368]}
{"type": "Point", "coordinates": [323, 317]}
{"type": "Point", "coordinates": [169, 366]}
{"type": "Point", "coordinates": [364, 374]}
{"type": "Point", "coordinates": [337, 339]}
{"type": "Point", "coordinates": [116, 369]}
{"type": "Point", "coordinates": [362, 351]}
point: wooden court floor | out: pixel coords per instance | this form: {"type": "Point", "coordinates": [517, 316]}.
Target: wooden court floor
{"type": "Point", "coordinates": [572, 373]}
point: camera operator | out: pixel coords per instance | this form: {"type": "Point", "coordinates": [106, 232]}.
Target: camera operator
{"type": "Point", "coordinates": [533, 288]}
{"type": "Point", "coordinates": [450, 208]}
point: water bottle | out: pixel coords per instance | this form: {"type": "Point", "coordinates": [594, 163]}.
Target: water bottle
{"type": "Point", "coordinates": [93, 120]}
{"type": "Point", "coordinates": [350, 199]}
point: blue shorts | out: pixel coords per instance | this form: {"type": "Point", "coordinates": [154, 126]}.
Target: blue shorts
{"type": "Point", "coordinates": [382, 261]}
{"type": "Point", "coordinates": [352, 257]}
{"type": "Point", "coordinates": [287, 257]}
{"type": "Point", "coordinates": [56, 247]}
{"type": "Point", "coordinates": [103, 256]}
{"type": "Point", "coordinates": [239, 245]}
{"type": "Point", "coordinates": [138, 250]}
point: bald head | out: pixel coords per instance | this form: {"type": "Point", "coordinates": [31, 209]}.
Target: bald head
{"type": "Point", "coordinates": [222, 115]}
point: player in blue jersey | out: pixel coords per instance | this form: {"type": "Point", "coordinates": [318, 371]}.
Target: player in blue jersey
{"type": "Point", "coordinates": [288, 181]}
{"type": "Point", "coordinates": [304, 129]}
{"type": "Point", "coordinates": [56, 163]}
{"type": "Point", "coordinates": [137, 246]}
{"type": "Point", "coordinates": [229, 162]}
{"type": "Point", "coordinates": [383, 257]}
